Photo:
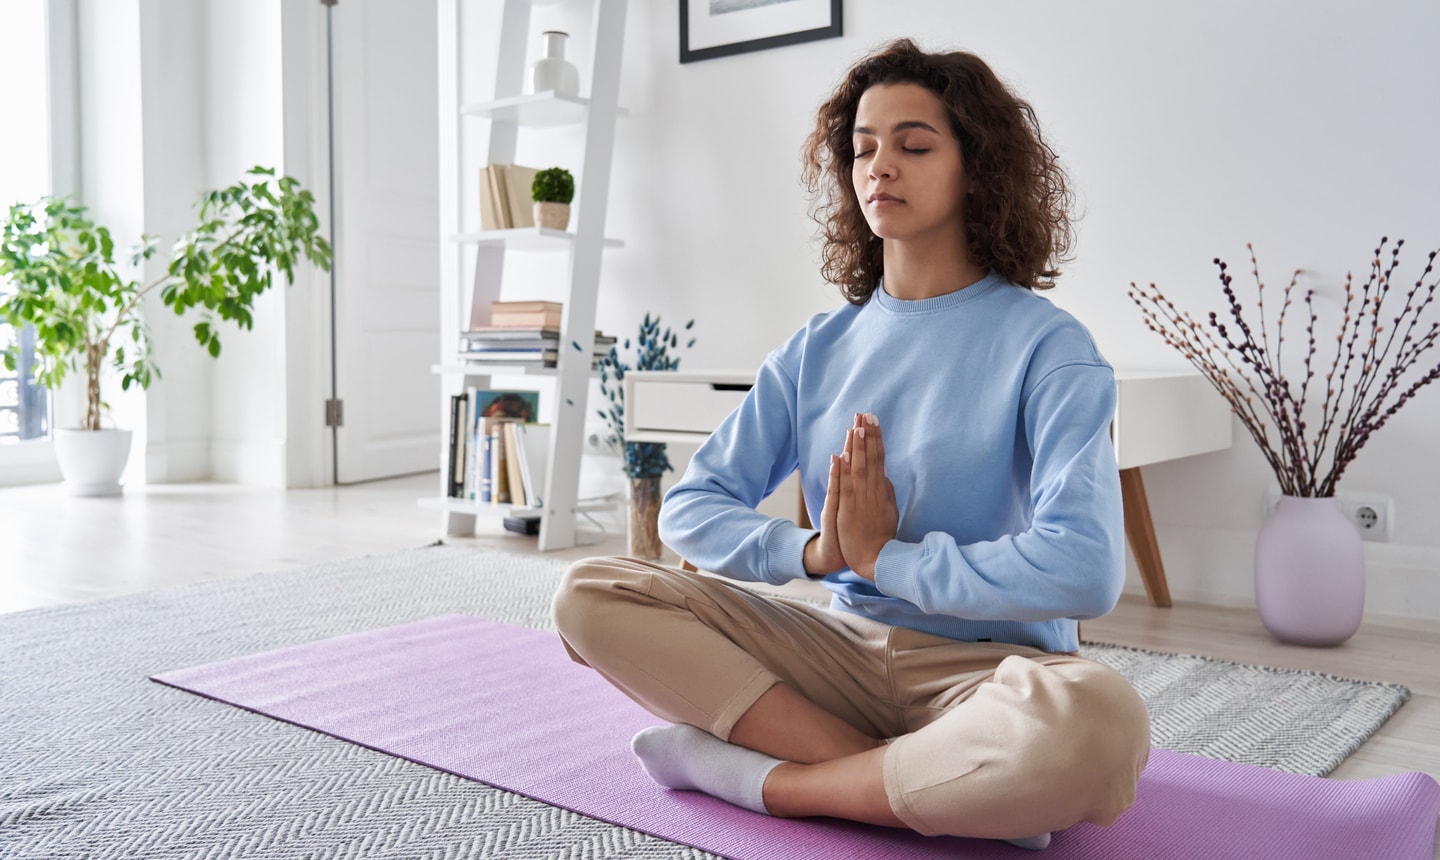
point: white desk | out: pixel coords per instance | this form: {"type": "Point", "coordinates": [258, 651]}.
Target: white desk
{"type": "Point", "coordinates": [1162, 415]}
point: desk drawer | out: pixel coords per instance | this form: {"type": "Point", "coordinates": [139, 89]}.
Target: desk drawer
{"type": "Point", "coordinates": [681, 406]}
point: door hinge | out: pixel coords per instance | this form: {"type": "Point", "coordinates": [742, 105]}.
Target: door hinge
{"type": "Point", "coordinates": [334, 413]}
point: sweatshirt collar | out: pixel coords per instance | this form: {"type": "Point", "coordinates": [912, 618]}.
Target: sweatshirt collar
{"type": "Point", "coordinates": [959, 297]}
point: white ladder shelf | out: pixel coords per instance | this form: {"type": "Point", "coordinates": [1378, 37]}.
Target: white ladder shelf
{"type": "Point", "coordinates": [506, 113]}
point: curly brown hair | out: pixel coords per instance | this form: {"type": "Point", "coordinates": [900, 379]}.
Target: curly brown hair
{"type": "Point", "coordinates": [1017, 217]}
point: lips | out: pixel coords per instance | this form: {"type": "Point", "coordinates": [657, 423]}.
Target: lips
{"type": "Point", "coordinates": [883, 199]}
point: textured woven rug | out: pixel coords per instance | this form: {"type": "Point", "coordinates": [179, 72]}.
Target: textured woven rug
{"type": "Point", "coordinates": [100, 762]}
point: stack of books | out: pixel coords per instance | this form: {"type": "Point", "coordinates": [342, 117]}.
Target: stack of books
{"type": "Point", "coordinates": [505, 199]}
{"type": "Point", "coordinates": [522, 333]}
{"type": "Point", "coordinates": [497, 451]}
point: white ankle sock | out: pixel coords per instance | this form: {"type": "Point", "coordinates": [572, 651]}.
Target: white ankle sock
{"type": "Point", "coordinates": [1034, 843]}
{"type": "Point", "coordinates": [686, 758]}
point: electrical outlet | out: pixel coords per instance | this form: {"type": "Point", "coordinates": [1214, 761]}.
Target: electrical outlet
{"type": "Point", "coordinates": [1373, 514]}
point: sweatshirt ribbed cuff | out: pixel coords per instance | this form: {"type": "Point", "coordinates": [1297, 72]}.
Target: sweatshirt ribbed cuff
{"type": "Point", "coordinates": [897, 570]}
{"type": "Point", "coordinates": [785, 552]}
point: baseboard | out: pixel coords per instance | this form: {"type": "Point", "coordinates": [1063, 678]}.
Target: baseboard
{"type": "Point", "coordinates": [31, 462]}
{"type": "Point", "coordinates": [1217, 567]}
{"type": "Point", "coordinates": [176, 461]}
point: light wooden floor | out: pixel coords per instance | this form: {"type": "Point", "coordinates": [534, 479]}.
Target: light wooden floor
{"type": "Point", "coordinates": [55, 549]}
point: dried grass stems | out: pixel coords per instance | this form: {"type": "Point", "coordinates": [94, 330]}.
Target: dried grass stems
{"type": "Point", "coordinates": [1372, 374]}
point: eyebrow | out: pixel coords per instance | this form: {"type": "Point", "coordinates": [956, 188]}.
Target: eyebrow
{"type": "Point", "coordinates": [899, 126]}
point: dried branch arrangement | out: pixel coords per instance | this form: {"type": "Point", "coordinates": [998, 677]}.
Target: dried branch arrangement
{"type": "Point", "coordinates": [1375, 369]}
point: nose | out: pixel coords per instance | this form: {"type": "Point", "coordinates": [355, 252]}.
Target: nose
{"type": "Point", "coordinates": [882, 165]}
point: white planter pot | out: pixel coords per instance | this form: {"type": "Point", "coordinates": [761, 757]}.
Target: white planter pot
{"type": "Point", "coordinates": [92, 461]}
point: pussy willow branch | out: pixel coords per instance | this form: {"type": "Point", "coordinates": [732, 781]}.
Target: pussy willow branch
{"type": "Point", "coordinates": [1380, 351]}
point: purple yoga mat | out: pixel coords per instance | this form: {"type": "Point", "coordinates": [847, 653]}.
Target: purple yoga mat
{"type": "Point", "coordinates": [504, 705]}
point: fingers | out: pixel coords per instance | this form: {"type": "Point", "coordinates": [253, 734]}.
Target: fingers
{"type": "Point", "coordinates": [865, 450]}
{"type": "Point", "coordinates": [830, 510]}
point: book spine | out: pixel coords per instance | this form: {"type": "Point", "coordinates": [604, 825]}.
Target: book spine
{"type": "Point", "coordinates": [526, 306]}
{"type": "Point", "coordinates": [514, 483]}
{"type": "Point", "coordinates": [499, 493]}
{"type": "Point", "coordinates": [537, 319]}
{"type": "Point", "coordinates": [467, 447]}
{"type": "Point", "coordinates": [455, 462]}
{"type": "Point", "coordinates": [496, 174]}
{"type": "Point", "coordinates": [486, 464]}
{"type": "Point", "coordinates": [488, 220]}
{"type": "Point", "coordinates": [522, 466]}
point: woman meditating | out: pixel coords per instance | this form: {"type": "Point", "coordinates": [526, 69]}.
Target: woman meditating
{"type": "Point", "coordinates": [951, 429]}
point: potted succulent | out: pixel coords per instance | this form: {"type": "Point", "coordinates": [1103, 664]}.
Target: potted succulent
{"type": "Point", "coordinates": [87, 313]}
{"type": "Point", "coordinates": [552, 190]}
{"type": "Point", "coordinates": [1310, 414]}
{"type": "Point", "coordinates": [645, 462]}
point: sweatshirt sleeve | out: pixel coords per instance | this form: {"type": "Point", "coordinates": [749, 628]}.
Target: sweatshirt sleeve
{"type": "Point", "coordinates": [1070, 561]}
{"type": "Point", "coordinates": [709, 516]}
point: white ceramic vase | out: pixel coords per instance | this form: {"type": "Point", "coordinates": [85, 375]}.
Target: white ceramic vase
{"type": "Point", "coordinates": [1310, 572]}
{"type": "Point", "coordinates": [92, 461]}
{"type": "Point", "coordinates": [552, 71]}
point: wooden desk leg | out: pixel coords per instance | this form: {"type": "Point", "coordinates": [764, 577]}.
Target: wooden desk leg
{"type": "Point", "coordinates": [1141, 531]}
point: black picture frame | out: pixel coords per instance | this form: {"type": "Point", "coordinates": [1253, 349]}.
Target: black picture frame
{"type": "Point", "coordinates": [761, 39]}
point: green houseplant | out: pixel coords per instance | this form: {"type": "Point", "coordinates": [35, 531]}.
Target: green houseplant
{"type": "Point", "coordinates": [87, 312]}
{"type": "Point", "coordinates": [552, 190]}
{"type": "Point", "coordinates": [644, 462]}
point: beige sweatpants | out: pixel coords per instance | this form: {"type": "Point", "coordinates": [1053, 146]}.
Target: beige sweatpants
{"type": "Point", "coordinates": [991, 740]}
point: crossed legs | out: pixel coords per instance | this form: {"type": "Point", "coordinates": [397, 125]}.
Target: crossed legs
{"type": "Point", "coordinates": [806, 696]}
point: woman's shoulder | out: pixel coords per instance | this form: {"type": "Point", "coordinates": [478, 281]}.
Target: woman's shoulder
{"type": "Point", "coordinates": [1055, 333]}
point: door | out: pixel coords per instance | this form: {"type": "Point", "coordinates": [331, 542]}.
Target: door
{"type": "Point", "coordinates": [385, 157]}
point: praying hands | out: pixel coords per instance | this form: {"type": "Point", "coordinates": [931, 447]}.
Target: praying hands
{"type": "Point", "coordinates": [859, 514]}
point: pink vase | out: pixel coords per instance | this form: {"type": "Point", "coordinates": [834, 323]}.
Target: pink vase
{"type": "Point", "coordinates": [1310, 572]}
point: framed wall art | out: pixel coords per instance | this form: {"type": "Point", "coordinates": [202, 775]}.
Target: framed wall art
{"type": "Point", "coordinates": [719, 28]}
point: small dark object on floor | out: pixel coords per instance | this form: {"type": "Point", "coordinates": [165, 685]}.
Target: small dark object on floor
{"type": "Point", "coordinates": [523, 525]}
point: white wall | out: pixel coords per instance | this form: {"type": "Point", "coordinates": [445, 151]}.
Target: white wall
{"type": "Point", "coordinates": [243, 118]}
{"type": "Point", "coordinates": [1189, 129]}
{"type": "Point", "coordinates": [177, 98]}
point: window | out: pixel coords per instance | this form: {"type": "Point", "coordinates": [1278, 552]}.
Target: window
{"type": "Point", "coordinates": [24, 176]}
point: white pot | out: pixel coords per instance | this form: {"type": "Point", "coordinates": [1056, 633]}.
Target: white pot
{"type": "Point", "coordinates": [92, 460]}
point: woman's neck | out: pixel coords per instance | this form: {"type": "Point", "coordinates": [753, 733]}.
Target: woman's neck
{"type": "Point", "coordinates": [915, 271]}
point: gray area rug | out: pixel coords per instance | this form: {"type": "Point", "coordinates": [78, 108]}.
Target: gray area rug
{"type": "Point", "coordinates": [99, 762]}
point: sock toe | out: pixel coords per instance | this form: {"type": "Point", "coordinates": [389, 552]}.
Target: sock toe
{"type": "Point", "coordinates": [1033, 843]}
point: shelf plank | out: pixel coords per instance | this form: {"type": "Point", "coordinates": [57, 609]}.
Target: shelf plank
{"type": "Point", "coordinates": [489, 368]}
{"type": "Point", "coordinates": [486, 509]}
{"type": "Point", "coordinates": [526, 239]}
{"type": "Point", "coordinates": [541, 110]}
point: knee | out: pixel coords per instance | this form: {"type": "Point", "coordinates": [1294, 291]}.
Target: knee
{"type": "Point", "coordinates": [584, 588]}
{"type": "Point", "coordinates": [1115, 740]}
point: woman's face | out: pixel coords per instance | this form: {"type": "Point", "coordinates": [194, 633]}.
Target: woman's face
{"type": "Point", "coordinates": [908, 172]}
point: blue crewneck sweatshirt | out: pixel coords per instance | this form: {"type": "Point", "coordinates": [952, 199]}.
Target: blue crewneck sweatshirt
{"type": "Point", "coordinates": [995, 407]}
